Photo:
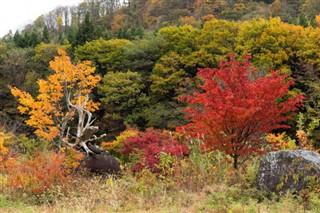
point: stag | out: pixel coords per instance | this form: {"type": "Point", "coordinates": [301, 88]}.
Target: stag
{"type": "Point", "coordinates": [97, 160]}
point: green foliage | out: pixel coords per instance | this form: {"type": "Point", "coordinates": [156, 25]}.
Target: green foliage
{"type": "Point", "coordinates": [217, 38]}
{"type": "Point", "coordinates": [122, 95]}
{"type": "Point", "coordinates": [107, 55]}
{"type": "Point", "coordinates": [45, 35]}
{"type": "Point", "coordinates": [86, 31]}
{"type": "Point", "coordinates": [166, 77]}
{"type": "Point", "coordinates": [271, 43]}
{"type": "Point", "coordinates": [179, 39]}
{"type": "Point", "coordinates": [311, 125]}
{"type": "Point", "coordinates": [164, 115]}
{"type": "Point", "coordinates": [142, 55]}
{"type": "Point", "coordinates": [28, 147]}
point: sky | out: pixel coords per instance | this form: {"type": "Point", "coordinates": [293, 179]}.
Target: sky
{"type": "Point", "coordinates": [14, 14]}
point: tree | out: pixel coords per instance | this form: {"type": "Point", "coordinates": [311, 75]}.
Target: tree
{"type": "Point", "coordinates": [117, 22]}
{"type": "Point", "coordinates": [143, 54]}
{"type": "Point", "coordinates": [179, 39]}
{"type": "Point", "coordinates": [166, 77]}
{"type": "Point", "coordinates": [108, 55]}
{"type": "Point", "coordinates": [123, 96]}
{"type": "Point", "coordinates": [62, 98]}
{"type": "Point", "coordinates": [235, 108]}
{"type": "Point", "coordinates": [86, 31]}
{"type": "Point", "coordinates": [271, 43]}
{"type": "Point", "coordinates": [45, 35]}
{"type": "Point", "coordinates": [18, 39]}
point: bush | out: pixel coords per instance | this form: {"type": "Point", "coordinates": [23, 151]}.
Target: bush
{"type": "Point", "coordinates": [117, 143]}
{"type": "Point", "coordinates": [145, 149]}
{"type": "Point", "coordinates": [37, 174]}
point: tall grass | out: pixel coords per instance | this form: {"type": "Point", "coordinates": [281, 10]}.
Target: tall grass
{"type": "Point", "coordinates": [201, 182]}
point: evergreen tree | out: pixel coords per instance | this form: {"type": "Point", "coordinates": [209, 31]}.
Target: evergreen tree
{"type": "Point", "coordinates": [303, 20]}
{"type": "Point", "coordinates": [86, 31]}
{"type": "Point", "coordinates": [71, 36]}
{"type": "Point", "coordinates": [34, 39]}
{"type": "Point", "coordinates": [18, 39]}
{"type": "Point", "coordinates": [45, 35]}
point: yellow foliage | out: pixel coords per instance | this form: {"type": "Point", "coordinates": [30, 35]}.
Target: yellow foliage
{"type": "Point", "coordinates": [47, 111]}
{"type": "Point", "coordinates": [3, 137]}
{"type": "Point", "coordinates": [73, 158]}
{"type": "Point", "coordinates": [190, 20]}
{"type": "Point", "coordinates": [318, 20]}
{"type": "Point", "coordinates": [281, 141]}
{"type": "Point", "coordinates": [59, 21]}
{"type": "Point", "coordinates": [208, 17]}
{"type": "Point", "coordinates": [119, 140]}
{"type": "Point", "coordinates": [303, 140]}
{"type": "Point", "coordinates": [271, 42]}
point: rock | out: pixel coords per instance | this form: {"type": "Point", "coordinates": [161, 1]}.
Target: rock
{"type": "Point", "coordinates": [288, 170]}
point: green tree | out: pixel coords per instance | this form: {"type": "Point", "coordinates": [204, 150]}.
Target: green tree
{"type": "Point", "coordinates": [182, 40]}
{"type": "Point", "coordinates": [45, 35]}
{"type": "Point", "coordinates": [303, 20]}
{"type": "Point", "coordinates": [271, 43]}
{"type": "Point", "coordinates": [122, 96]}
{"type": "Point", "coordinates": [164, 115]}
{"type": "Point", "coordinates": [142, 55]}
{"type": "Point", "coordinates": [15, 68]}
{"type": "Point", "coordinates": [18, 39]}
{"type": "Point", "coordinates": [107, 55]}
{"type": "Point", "coordinates": [166, 77]}
{"type": "Point", "coordinates": [86, 31]}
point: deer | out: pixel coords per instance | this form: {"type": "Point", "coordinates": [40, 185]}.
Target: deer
{"type": "Point", "coordinates": [96, 160]}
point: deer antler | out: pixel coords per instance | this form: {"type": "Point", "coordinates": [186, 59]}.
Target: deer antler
{"type": "Point", "coordinates": [85, 132]}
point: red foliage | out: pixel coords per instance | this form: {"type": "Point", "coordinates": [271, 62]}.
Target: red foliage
{"type": "Point", "coordinates": [148, 145]}
{"type": "Point", "coordinates": [38, 174]}
{"type": "Point", "coordinates": [234, 109]}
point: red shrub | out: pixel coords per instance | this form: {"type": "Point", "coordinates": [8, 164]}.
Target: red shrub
{"type": "Point", "coordinates": [148, 145]}
{"type": "Point", "coordinates": [38, 174]}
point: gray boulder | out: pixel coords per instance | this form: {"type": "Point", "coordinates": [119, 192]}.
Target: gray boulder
{"type": "Point", "coordinates": [288, 170]}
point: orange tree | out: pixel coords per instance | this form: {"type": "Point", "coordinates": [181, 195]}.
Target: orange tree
{"type": "Point", "coordinates": [62, 97]}
{"type": "Point", "coordinates": [235, 108]}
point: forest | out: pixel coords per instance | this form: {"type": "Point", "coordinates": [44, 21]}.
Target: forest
{"type": "Point", "coordinates": [188, 96]}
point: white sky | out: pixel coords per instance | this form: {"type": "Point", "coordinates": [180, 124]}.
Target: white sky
{"type": "Point", "coordinates": [14, 14]}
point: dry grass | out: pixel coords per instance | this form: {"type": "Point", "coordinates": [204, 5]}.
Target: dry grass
{"type": "Point", "coordinates": [197, 184]}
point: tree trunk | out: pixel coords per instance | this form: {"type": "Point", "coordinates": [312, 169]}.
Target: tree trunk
{"type": "Point", "coordinates": [235, 162]}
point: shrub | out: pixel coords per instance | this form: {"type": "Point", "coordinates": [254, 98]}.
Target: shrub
{"type": "Point", "coordinates": [281, 141]}
{"type": "Point", "coordinates": [72, 159]}
{"type": "Point", "coordinates": [146, 148]}
{"type": "Point", "coordinates": [118, 142]}
{"type": "Point", "coordinates": [37, 174]}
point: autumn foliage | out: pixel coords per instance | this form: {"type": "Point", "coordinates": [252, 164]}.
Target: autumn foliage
{"type": "Point", "coordinates": [37, 174]}
{"type": "Point", "coordinates": [48, 112]}
{"type": "Point", "coordinates": [149, 145]}
{"type": "Point", "coordinates": [236, 108]}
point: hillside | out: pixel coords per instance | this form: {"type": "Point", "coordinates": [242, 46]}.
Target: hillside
{"type": "Point", "coordinates": [128, 19]}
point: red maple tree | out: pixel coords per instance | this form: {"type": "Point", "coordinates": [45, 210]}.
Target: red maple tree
{"type": "Point", "coordinates": [235, 108]}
